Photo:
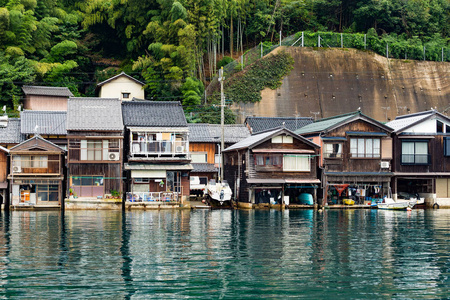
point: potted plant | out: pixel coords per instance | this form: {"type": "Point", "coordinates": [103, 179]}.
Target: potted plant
{"type": "Point", "coordinates": [70, 193]}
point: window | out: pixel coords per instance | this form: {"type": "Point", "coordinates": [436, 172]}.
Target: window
{"type": "Point", "coordinates": [365, 147]}
{"type": "Point", "coordinates": [199, 157]}
{"type": "Point", "coordinates": [282, 139]}
{"type": "Point", "coordinates": [415, 152]}
{"type": "Point", "coordinates": [268, 160]}
{"type": "Point", "coordinates": [95, 149]}
{"type": "Point", "coordinates": [30, 161]}
{"type": "Point", "coordinates": [88, 186]}
{"type": "Point", "coordinates": [446, 146]}
{"type": "Point", "coordinates": [141, 180]}
{"type": "Point", "coordinates": [332, 150]}
{"type": "Point", "coordinates": [217, 159]}
{"type": "Point", "coordinates": [300, 163]}
{"type": "Point", "coordinates": [125, 95]}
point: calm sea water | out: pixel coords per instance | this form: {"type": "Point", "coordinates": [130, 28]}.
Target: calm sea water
{"type": "Point", "coordinates": [351, 254]}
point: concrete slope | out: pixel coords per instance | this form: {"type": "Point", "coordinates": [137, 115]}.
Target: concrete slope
{"type": "Point", "coordinates": [326, 82]}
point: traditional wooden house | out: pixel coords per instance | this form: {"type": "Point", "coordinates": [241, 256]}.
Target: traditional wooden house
{"type": "Point", "coordinates": [36, 174]}
{"type": "Point", "coordinates": [422, 156]}
{"type": "Point", "coordinates": [356, 154]}
{"type": "Point", "coordinates": [10, 136]}
{"type": "Point", "coordinates": [121, 86]}
{"type": "Point", "coordinates": [258, 124]}
{"type": "Point", "coordinates": [50, 125]}
{"type": "Point", "coordinates": [157, 152]}
{"type": "Point", "coordinates": [204, 146]}
{"type": "Point", "coordinates": [95, 142]}
{"type": "Point", "coordinates": [46, 97]}
{"type": "Point", "coordinates": [272, 167]}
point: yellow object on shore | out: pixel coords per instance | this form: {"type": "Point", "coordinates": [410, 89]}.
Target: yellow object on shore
{"type": "Point", "coordinates": [349, 201]}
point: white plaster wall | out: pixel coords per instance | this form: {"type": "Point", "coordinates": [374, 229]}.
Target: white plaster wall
{"type": "Point", "coordinates": [428, 126]}
{"type": "Point", "coordinates": [114, 89]}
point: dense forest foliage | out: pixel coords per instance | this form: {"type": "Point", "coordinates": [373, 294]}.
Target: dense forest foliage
{"type": "Point", "coordinates": [176, 46]}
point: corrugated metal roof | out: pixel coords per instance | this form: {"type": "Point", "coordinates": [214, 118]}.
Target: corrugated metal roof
{"type": "Point", "coordinates": [204, 168]}
{"type": "Point", "coordinates": [324, 124]}
{"type": "Point", "coordinates": [253, 139]}
{"type": "Point", "coordinates": [405, 121]}
{"type": "Point", "coordinates": [174, 167]}
{"type": "Point", "coordinates": [145, 113]}
{"type": "Point", "coordinates": [11, 133]}
{"type": "Point", "coordinates": [47, 91]}
{"type": "Point", "coordinates": [209, 133]}
{"type": "Point", "coordinates": [259, 124]}
{"type": "Point", "coordinates": [101, 114]}
{"type": "Point", "coordinates": [258, 138]}
{"type": "Point", "coordinates": [47, 122]}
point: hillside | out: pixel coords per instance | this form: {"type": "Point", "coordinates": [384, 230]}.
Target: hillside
{"type": "Point", "coordinates": [332, 81]}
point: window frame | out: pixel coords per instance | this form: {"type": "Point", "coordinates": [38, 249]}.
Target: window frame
{"type": "Point", "coordinates": [362, 142]}
{"type": "Point", "coordinates": [327, 154]}
{"type": "Point", "coordinates": [415, 155]}
{"type": "Point", "coordinates": [296, 169]}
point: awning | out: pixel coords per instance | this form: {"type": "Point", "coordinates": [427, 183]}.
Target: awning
{"type": "Point", "coordinates": [358, 173]}
{"type": "Point", "coordinates": [281, 181]}
{"type": "Point", "coordinates": [334, 138]}
{"type": "Point", "coordinates": [302, 151]}
{"type": "Point", "coordinates": [167, 167]}
{"type": "Point", "coordinates": [148, 174]}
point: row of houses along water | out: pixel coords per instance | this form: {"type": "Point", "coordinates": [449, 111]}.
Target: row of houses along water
{"type": "Point", "coordinates": [117, 150]}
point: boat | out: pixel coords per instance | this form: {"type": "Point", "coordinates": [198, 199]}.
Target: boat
{"type": "Point", "coordinates": [412, 199]}
{"type": "Point", "coordinates": [390, 203]}
{"type": "Point", "coordinates": [218, 194]}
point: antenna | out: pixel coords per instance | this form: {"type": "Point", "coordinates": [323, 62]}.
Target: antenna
{"type": "Point", "coordinates": [315, 113]}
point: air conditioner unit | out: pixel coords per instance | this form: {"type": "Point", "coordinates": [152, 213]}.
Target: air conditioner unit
{"type": "Point", "coordinates": [385, 165]}
{"type": "Point", "coordinates": [179, 149]}
{"type": "Point", "coordinates": [17, 169]}
{"type": "Point", "coordinates": [113, 156]}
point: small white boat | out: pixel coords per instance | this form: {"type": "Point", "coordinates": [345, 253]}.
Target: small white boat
{"type": "Point", "coordinates": [389, 203]}
{"type": "Point", "coordinates": [218, 193]}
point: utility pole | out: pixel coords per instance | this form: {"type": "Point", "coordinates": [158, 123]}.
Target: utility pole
{"type": "Point", "coordinates": [222, 120]}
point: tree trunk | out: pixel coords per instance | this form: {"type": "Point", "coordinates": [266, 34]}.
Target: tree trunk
{"type": "Point", "coordinates": [231, 36]}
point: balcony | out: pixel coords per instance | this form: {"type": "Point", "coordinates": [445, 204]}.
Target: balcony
{"type": "Point", "coordinates": [154, 197]}
{"type": "Point", "coordinates": [159, 148]}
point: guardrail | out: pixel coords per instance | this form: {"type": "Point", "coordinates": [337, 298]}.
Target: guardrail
{"type": "Point", "coordinates": [153, 197]}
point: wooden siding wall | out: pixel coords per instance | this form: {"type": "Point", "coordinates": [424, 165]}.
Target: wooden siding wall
{"type": "Point", "coordinates": [439, 162]}
{"type": "Point", "coordinates": [112, 171]}
{"type": "Point", "coordinates": [3, 166]}
{"type": "Point", "coordinates": [347, 163]}
{"type": "Point", "coordinates": [297, 144]}
{"type": "Point", "coordinates": [35, 102]}
{"type": "Point", "coordinates": [209, 148]}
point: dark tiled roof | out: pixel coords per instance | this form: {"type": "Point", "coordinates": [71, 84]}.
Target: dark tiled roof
{"type": "Point", "coordinates": [117, 76]}
{"type": "Point", "coordinates": [101, 114]}
{"type": "Point", "coordinates": [258, 124]}
{"type": "Point", "coordinates": [11, 133]}
{"type": "Point", "coordinates": [47, 91]}
{"type": "Point", "coordinates": [47, 122]}
{"type": "Point", "coordinates": [144, 113]}
{"type": "Point", "coordinates": [206, 133]}
{"type": "Point", "coordinates": [204, 168]}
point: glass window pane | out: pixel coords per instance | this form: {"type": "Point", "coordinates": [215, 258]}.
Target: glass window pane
{"type": "Point", "coordinates": [86, 180]}
{"type": "Point", "coordinates": [98, 180]}
{"type": "Point", "coordinates": [360, 147]}
{"type": "Point", "coordinates": [369, 148]}
{"type": "Point", "coordinates": [76, 180]}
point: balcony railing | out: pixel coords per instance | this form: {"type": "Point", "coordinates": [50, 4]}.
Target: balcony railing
{"type": "Point", "coordinates": [154, 197]}
{"type": "Point", "coordinates": [416, 159]}
{"type": "Point", "coordinates": [159, 148]}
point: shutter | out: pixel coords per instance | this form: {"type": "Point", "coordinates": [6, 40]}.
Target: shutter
{"type": "Point", "coordinates": [386, 148]}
